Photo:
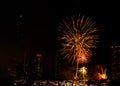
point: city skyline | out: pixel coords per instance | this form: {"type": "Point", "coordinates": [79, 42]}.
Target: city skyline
{"type": "Point", "coordinates": [33, 28]}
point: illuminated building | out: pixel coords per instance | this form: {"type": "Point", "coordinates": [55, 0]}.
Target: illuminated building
{"type": "Point", "coordinates": [115, 51]}
{"type": "Point", "coordinates": [35, 67]}
{"type": "Point", "coordinates": [38, 65]}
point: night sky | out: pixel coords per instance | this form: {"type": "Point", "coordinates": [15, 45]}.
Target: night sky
{"type": "Point", "coordinates": [31, 27]}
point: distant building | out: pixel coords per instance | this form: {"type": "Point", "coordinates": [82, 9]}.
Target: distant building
{"type": "Point", "coordinates": [38, 65]}
{"type": "Point", "coordinates": [61, 64]}
{"type": "Point", "coordinates": [35, 67]}
{"type": "Point", "coordinates": [58, 69]}
{"type": "Point", "coordinates": [115, 59]}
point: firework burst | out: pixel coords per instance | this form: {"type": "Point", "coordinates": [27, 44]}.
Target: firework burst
{"type": "Point", "coordinates": [78, 37]}
{"type": "Point", "coordinates": [83, 70]}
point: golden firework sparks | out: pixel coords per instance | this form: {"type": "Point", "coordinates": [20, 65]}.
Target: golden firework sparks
{"type": "Point", "coordinates": [78, 37]}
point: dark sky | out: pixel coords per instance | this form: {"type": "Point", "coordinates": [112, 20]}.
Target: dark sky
{"type": "Point", "coordinates": [32, 25]}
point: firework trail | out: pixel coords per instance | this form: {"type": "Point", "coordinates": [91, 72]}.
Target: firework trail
{"type": "Point", "coordinates": [78, 37]}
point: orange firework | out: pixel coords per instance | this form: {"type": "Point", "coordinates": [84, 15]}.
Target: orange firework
{"type": "Point", "coordinates": [78, 37]}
